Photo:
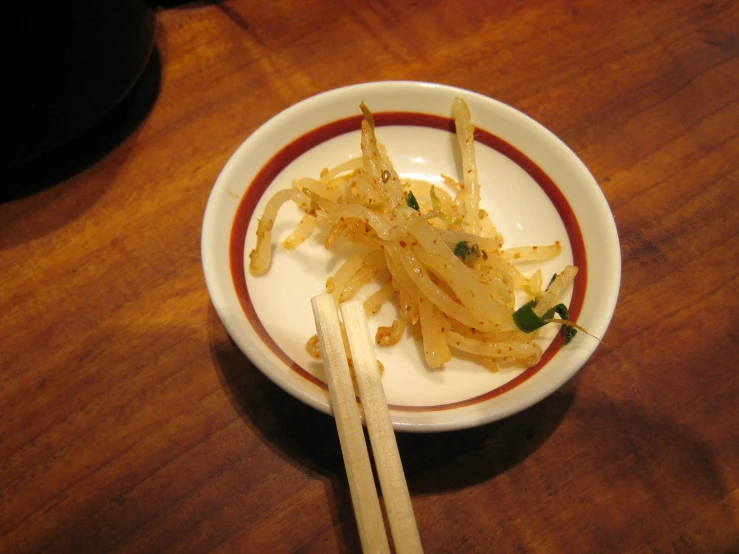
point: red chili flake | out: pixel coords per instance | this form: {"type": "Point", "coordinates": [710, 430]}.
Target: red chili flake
{"type": "Point", "coordinates": [403, 244]}
{"type": "Point", "coordinates": [534, 247]}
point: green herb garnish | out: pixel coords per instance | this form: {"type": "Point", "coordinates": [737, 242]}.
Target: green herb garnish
{"type": "Point", "coordinates": [525, 318]}
{"type": "Point", "coordinates": [462, 250]}
{"type": "Point", "coordinates": [564, 313]}
{"type": "Point", "coordinates": [527, 321]}
{"type": "Point", "coordinates": [412, 202]}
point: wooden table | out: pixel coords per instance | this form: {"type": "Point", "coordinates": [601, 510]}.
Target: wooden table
{"type": "Point", "coordinates": [131, 423]}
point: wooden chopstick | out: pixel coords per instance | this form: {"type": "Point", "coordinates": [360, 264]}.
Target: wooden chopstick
{"type": "Point", "coordinates": [349, 425]}
{"type": "Point", "coordinates": [377, 417]}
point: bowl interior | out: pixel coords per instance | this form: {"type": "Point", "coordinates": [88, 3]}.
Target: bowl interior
{"type": "Point", "coordinates": [270, 317]}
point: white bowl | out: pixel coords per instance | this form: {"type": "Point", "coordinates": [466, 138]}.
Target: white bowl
{"type": "Point", "coordinates": [537, 191]}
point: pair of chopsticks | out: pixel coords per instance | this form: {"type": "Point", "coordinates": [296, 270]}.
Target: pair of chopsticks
{"type": "Point", "coordinates": [377, 417]}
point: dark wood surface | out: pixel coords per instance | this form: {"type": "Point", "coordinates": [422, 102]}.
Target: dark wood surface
{"type": "Point", "coordinates": [131, 423]}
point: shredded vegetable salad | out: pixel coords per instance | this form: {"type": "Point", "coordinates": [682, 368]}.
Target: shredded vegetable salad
{"type": "Point", "coordinates": [435, 254]}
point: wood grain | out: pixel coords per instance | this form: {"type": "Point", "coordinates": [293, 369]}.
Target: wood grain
{"type": "Point", "coordinates": [131, 423]}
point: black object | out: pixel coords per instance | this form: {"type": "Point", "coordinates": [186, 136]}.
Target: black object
{"type": "Point", "coordinates": [69, 63]}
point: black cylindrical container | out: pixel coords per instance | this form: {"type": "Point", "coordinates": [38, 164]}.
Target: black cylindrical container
{"type": "Point", "coordinates": [69, 63]}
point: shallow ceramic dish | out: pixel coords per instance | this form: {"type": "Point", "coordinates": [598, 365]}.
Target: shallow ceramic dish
{"type": "Point", "coordinates": [534, 187]}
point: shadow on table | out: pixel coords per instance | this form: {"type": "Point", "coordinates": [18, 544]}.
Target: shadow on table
{"type": "Point", "coordinates": [433, 462]}
{"type": "Point", "coordinates": [86, 150]}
